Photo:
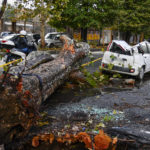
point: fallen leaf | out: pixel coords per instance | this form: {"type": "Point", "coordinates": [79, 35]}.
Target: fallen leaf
{"type": "Point", "coordinates": [35, 141]}
{"type": "Point", "coordinates": [102, 141]}
{"type": "Point", "coordinates": [41, 123]}
{"type": "Point", "coordinates": [84, 137]}
{"type": "Point", "coordinates": [51, 138]}
{"type": "Point", "coordinates": [60, 140]}
{"type": "Point", "coordinates": [114, 140]}
{"type": "Point", "coordinates": [67, 136]}
{"type": "Point", "coordinates": [97, 97]}
{"type": "Point", "coordinates": [25, 103]}
{"type": "Point", "coordinates": [44, 137]}
{"type": "Point", "coordinates": [101, 125]}
{"type": "Point", "coordinates": [90, 121]}
{"type": "Point", "coordinates": [19, 86]}
{"type": "Point", "coordinates": [114, 112]}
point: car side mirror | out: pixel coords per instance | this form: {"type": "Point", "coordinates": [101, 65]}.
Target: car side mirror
{"type": "Point", "coordinates": [140, 50]}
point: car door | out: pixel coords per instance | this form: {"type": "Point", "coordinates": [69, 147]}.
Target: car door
{"type": "Point", "coordinates": [146, 48]}
{"type": "Point", "coordinates": [57, 41]}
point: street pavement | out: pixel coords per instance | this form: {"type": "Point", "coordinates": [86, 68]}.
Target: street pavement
{"type": "Point", "coordinates": [128, 110]}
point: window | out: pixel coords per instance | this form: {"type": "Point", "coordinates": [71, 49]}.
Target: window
{"type": "Point", "coordinates": [148, 47]}
{"type": "Point", "coordinates": [117, 49]}
{"type": "Point", "coordinates": [52, 36]}
{"type": "Point", "coordinates": [144, 47]}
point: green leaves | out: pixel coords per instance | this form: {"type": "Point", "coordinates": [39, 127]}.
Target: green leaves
{"type": "Point", "coordinates": [5, 68]}
{"type": "Point", "coordinates": [133, 16]}
{"type": "Point", "coordinates": [95, 79]}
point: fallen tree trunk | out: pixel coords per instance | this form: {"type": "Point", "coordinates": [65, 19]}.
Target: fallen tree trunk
{"type": "Point", "coordinates": [21, 97]}
{"type": "Point", "coordinates": [42, 80]}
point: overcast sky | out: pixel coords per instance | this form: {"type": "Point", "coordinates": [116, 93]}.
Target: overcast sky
{"type": "Point", "coordinates": [9, 2]}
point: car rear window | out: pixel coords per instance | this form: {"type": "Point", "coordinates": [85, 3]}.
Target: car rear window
{"type": "Point", "coordinates": [117, 49]}
{"type": "Point", "coordinates": [148, 47]}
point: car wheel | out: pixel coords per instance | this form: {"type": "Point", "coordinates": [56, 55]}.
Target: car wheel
{"type": "Point", "coordinates": [141, 74]}
{"type": "Point", "coordinates": [51, 45]}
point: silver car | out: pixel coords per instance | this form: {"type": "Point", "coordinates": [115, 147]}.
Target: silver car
{"type": "Point", "coordinates": [52, 39]}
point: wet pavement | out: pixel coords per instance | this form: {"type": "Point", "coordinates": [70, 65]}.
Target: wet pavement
{"type": "Point", "coordinates": [125, 112]}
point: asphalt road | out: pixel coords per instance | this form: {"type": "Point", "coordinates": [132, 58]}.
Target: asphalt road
{"type": "Point", "coordinates": [94, 66]}
{"type": "Point", "coordinates": [126, 113]}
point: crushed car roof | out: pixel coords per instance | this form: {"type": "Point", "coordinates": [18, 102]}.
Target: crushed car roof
{"type": "Point", "coordinates": [123, 44]}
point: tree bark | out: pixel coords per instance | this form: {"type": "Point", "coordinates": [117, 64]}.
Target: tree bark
{"type": "Point", "coordinates": [42, 31]}
{"type": "Point", "coordinates": [100, 34]}
{"type": "Point", "coordinates": [25, 25]}
{"type": "Point", "coordinates": [127, 36]}
{"type": "Point", "coordinates": [21, 98]}
{"type": "Point", "coordinates": [14, 26]}
{"type": "Point", "coordinates": [84, 34]}
{"type": "Point", "coordinates": [3, 8]}
{"type": "Point", "coordinates": [2, 12]}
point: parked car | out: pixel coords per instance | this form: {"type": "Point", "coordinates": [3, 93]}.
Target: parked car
{"type": "Point", "coordinates": [36, 37]}
{"type": "Point", "coordinates": [8, 41]}
{"type": "Point", "coordinates": [123, 58]}
{"type": "Point", "coordinates": [5, 33]}
{"type": "Point", "coordinates": [52, 39]}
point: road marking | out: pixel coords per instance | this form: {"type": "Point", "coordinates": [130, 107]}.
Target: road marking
{"type": "Point", "coordinates": [11, 62]}
{"type": "Point", "coordinates": [86, 64]}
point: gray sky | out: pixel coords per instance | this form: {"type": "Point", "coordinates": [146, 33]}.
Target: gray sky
{"type": "Point", "coordinates": [11, 1]}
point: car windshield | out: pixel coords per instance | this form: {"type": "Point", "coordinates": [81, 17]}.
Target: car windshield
{"type": "Point", "coordinates": [118, 49]}
{"type": "Point", "coordinates": [50, 36]}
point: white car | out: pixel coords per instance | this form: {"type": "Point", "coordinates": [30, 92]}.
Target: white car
{"type": "Point", "coordinates": [123, 58]}
{"type": "Point", "coordinates": [8, 41]}
{"type": "Point", "coordinates": [52, 39]}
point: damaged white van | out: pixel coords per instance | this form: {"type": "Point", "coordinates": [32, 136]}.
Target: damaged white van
{"type": "Point", "coordinates": [125, 59]}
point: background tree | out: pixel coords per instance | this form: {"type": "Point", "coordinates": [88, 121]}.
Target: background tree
{"type": "Point", "coordinates": [43, 9]}
{"type": "Point", "coordinates": [133, 17]}
{"type": "Point", "coordinates": [84, 14]}
{"type": "Point", "coordinates": [2, 10]}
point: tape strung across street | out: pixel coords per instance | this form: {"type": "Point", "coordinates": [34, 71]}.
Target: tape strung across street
{"type": "Point", "coordinates": [86, 64]}
{"type": "Point", "coordinates": [17, 60]}
{"type": "Point", "coordinates": [11, 62]}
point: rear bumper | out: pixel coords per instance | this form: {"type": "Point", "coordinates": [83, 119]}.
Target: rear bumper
{"type": "Point", "coordinates": [121, 70]}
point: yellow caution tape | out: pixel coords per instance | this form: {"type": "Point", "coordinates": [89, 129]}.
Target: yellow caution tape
{"type": "Point", "coordinates": [86, 64]}
{"type": "Point", "coordinates": [11, 62]}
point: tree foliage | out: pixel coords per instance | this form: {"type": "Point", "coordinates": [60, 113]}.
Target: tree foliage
{"type": "Point", "coordinates": [134, 16]}
{"type": "Point", "coordinates": [124, 15]}
{"type": "Point", "coordinates": [87, 14]}
{"type": "Point", "coordinates": [42, 9]}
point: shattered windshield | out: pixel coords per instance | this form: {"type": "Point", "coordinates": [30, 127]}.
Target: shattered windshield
{"type": "Point", "coordinates": [118, 49]}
